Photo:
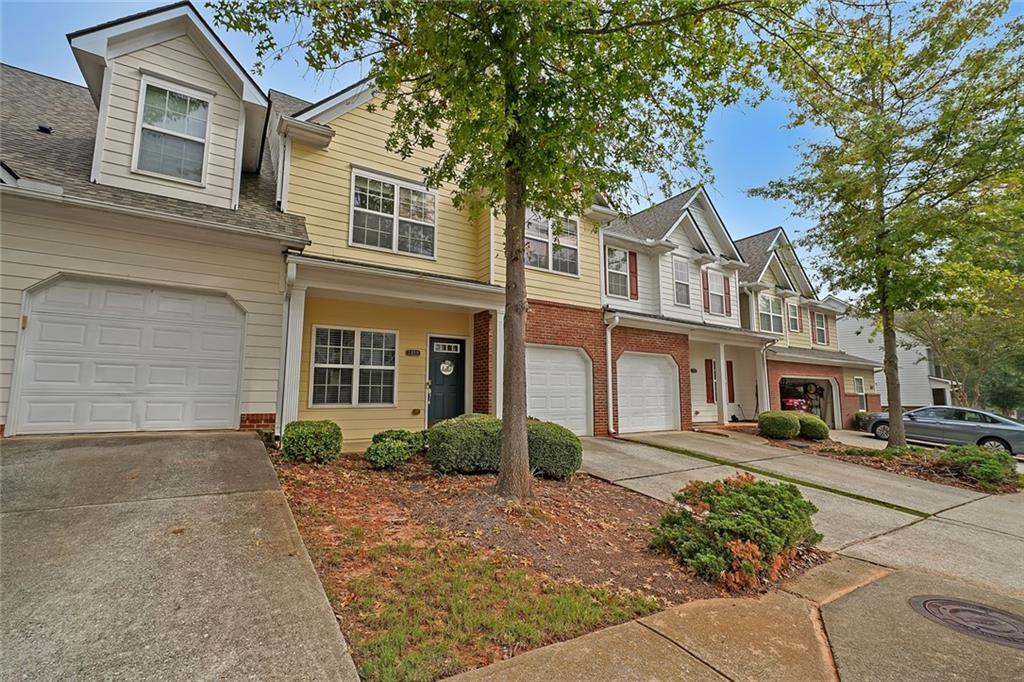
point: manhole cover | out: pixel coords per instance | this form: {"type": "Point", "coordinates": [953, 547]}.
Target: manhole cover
{"type": "Point", "coordinates": [976, 620]}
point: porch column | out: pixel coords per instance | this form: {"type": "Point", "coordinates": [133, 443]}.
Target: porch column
{"type": "Point", "coordinates": [293, 356]}
{"type": "Point", "coordinates": [764, 402]}
{"type": "Point", "coordinates": [723, 387]}
{"type": "Point", "coordinates": [499, 361]}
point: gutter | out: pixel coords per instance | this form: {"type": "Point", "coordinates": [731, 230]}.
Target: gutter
{"type": "Point", "coordinates": [609, 326]}
{"type": "Point", "coordinates": [151, 215]}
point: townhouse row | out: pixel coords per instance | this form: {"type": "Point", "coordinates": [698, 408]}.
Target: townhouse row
{"type": "Point", "coordinates": [183, 251]}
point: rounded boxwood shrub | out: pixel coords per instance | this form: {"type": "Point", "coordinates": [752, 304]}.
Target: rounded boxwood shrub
{"type": "Point", "coordinates": [812, 427]}
{"type": "Point", "coordinates": [989, 468]}
{"type": "Point", "coordinates": [737, 531]}
{"type": "Point", "coordinates": [471, 444]}
{"type": "Point", "coordinates": [778, 424]}
{"type": "Point", "coordinates": [414, 440]}
{"type": "Point", "coordinates": [555, 451]}
{"type": "Point", "coordinates": [314, 442]}
{"type": "Point", "coordinates": [389, 453]}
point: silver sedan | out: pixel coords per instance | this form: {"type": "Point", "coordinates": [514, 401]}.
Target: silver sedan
{"type": "Point", "coordinates": [953, 425]}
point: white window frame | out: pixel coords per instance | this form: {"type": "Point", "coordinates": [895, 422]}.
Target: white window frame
{"type": "Point", "coordinates": [772, 316]}
{"type": "Point", "coordinates": [552, 241]}
{"type": "Point", "coordinates": [609, 272]}
{"type": "Point", "coordinates": [676, 281]}
{"type": "Point", "coordinates": [204, 95]}
{"type": "Point", "coordinates": [398, 184]}
{"type": "Point", "coordinates": [712, 274]}
{"type": "Point", "coordinates": [793, 315]}
{"type": "Point", "coordinates": [823, 329]}
{"type": "Point", "coordinates": [862, 398]}
{"type": "Point", "coordinates": [355, 366]}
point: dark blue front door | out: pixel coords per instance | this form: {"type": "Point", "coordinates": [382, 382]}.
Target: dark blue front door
{"type": "Point", "coordinates": [447, 378]}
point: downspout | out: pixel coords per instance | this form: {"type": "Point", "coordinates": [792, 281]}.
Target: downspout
{"type": "Point", "coordinates": [767, 386]}
{"type": "Point", "coordinates": [609, 326]}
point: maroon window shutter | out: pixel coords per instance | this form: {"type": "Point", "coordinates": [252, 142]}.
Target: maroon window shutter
{"type": "Point", "coordinates": [732, 389]}
{"type": "Point", "coordinates": [728, 298]}
{"type": "Point", "coordinates": [704, 288]}
{"type": "Point", "coordinates": [634, 280]}
{"type": "Point", "coordinates": [709, 379]}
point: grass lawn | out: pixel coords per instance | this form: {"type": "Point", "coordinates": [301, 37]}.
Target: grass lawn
{"type": "Point", "coordinates": [430, 575]}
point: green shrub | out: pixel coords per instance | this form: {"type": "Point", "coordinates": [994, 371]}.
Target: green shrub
{"type": "Point", "coordinates": [387, 454]}
{"type": "Point", "coordinates": [414, 440]}
{"type": "Point", "coordinates": [471, 444]}
{"type": "Point", "coordinates": [988, 468]}
{"type": "Point", "coordinates": [738, 531]}
{"type": "Point", "coordinates": [555, 451]}
{"type": "Point", "coordinates": [778, 424]}
{"type": "Point", "coordinates": [315, 442]}
{"type": "Point", "coordinates": [812, 427]}
{"type": "Point", "coordinates": [859, 419]}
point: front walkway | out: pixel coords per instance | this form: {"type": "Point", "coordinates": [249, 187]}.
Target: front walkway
{"type": "Point", "coordinates": [849, 619]}
{"type": "Point", "coordinates": [156, 557]}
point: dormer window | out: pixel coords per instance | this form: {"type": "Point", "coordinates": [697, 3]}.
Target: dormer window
{"type": "Point", "coordinates": [172, 133]}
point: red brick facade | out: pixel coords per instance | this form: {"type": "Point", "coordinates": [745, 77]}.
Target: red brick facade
{"type": "Point", "coordinates": [557, 324]}
{"type": "Point", "coordinates": [483, 362]}
{"type": "Point", "coordinates": [848, 405]}
{"type": "Point", "coordinates": [647, 341]}
{"type": "Point", "coordinates": [257, 421]}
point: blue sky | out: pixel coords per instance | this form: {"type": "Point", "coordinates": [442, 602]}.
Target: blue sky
{"type": "Point", "coordinates": [747, 148]}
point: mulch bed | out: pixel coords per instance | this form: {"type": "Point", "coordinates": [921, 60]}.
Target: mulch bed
{"type": "Point", "coordinates": [925, 468]}
{"type": "Point", "coordinates": [584, 529]}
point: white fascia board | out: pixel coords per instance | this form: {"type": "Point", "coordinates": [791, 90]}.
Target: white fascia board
{"type": "Point", "coordinates": [721, 224]}
{"type": "Point", "coordinates": [338, 104]}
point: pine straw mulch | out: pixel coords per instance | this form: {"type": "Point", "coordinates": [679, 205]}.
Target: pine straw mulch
{"type": "Point", "coordinates": [923, 465]}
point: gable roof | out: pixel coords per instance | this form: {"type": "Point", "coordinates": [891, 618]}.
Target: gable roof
{"type": "Point", "coordinates": [758, 250]}
{"type": "Point", "coordinates": [64, 159]}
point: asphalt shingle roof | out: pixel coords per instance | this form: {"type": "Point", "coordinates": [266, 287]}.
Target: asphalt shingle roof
{"type": "Point", "coordinates": [64, 158]}
{"type": "Point", "coordinates": [756, 251]}
{"type": "Point", "coordinates": [814, 354]}
{"type": "Point", "coordinates": [655, 221]}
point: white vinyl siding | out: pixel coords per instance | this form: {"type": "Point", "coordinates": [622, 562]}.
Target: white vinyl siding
{"type": "Point", "coordinates": [181, 59]}
{"type": "Point", "coordinates": [41, 241]}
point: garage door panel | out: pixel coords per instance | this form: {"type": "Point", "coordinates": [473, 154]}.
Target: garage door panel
{"type": "Point", "coordinates": [557, 387]}
{"type": "Point", "coordinates": [647, 393]}
{"type": "Point", "coordinates": [171, 361]}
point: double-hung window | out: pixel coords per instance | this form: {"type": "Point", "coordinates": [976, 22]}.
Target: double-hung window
{"type": "Point", "coordinates": [794, 317]}
{"type": "Point", "coordinates": [858, 388]}
{"type": "Point", "coordinates": [172, 134]}
{"type": "Point", "coordinates": [716, 292]}
{"type": "Point", "coordinates": [617, 272]}
{"type": "Point", "coordinates": [820, 329]}
{"type": "Point", "coordinates": [388, 214]}
{"type": "Point", "coordinates": [552, 244]}
{"type": "Point", "coordinates": [353, 367]}
{"type": "Point", "coordinates": [770, 309]}
{"type": "Point", "coordinates": [681, 280]}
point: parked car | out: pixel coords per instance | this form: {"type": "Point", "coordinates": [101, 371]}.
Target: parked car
{"type": "Point", "coordinates": [953, 425]}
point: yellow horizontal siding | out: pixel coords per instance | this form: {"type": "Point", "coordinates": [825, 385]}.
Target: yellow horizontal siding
{"type": "Point", "coordinates": [413, 325]}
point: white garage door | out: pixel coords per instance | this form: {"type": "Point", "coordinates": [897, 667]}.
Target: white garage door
{"type": "Point", "coordinates": [558, 387]}
{"type": "Point", "coordinates": [101, 356]}
{"type": "Point", "coordinates": [648, 393]}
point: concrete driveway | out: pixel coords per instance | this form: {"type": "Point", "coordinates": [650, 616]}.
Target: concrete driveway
{"type": "Point", "coordinates": [156, 557]}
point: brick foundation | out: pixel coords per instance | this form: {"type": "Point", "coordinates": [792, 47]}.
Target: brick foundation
{"type": "Point", "coordinates": [257, 421]}
{"type": "Point", "coordinates": [647, 341]}
{"type": "Point", "coordinates": [556, 324]}
{"type": "Point", "coordinates": [847, 401]}
{"type": "Point", "coordinates": [483, 362]}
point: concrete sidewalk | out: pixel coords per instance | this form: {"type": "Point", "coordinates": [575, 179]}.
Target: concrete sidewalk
{"type": "Point", "coordinates": [156, 557]}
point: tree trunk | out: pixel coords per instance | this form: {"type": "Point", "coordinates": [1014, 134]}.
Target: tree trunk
{"type": "Point", "coordinates": [515, 480]}
{"type": "Point", "coordinates": [891, 365]}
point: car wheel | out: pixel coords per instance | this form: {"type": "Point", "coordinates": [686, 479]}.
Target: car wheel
{"type": "Point", "coordinates": [881, 430]}
{"type": "Point", "coordinates": [995, 444]}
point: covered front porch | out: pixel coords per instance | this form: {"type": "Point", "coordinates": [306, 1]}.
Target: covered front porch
{"type": "Point", "coordinates": [375, 348]}
{"type": "Point", "coordinates": [728, 379]}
